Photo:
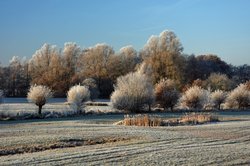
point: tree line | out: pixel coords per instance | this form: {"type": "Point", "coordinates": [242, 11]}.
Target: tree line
{"type": "Point", "coordinates": [162, 57]}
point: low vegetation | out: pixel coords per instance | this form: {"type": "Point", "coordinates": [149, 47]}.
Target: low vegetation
{"type": "Point", "coordinates": [142, 120]}
{"type": "Point", "coordinates": [154, 120]}
{"type": "Point", "coordinates": [198, 118]}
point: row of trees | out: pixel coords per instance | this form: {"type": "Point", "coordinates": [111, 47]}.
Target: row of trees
{"type": "Point", "coordinates": [162, 57]}
{"type": "Point", "coordinates": [135, 92]}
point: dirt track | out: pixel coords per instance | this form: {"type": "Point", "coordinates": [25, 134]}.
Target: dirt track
{"type": "Point", "coordinates": [226, 143]}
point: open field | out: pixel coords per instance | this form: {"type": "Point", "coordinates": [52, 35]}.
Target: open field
{"type": "Point", "coordinates": [94, 140]}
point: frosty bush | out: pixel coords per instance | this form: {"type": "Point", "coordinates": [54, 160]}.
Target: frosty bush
{"type": "Point", "coordinates": [238, 98]}
{"type": "Point", "coordinates": [194, 98]}
{"type": "Point", "coordinates": [219, 81]}
{"type": "Point", "coordinates": [218, 97]}
{"type": "Point", "coordinates": [77, 95]}
{"type": "Point", "coordinates": [166, 94]}
{"type": "Point", "coordinates": [91, 84]}
{"type": "Point", "coordinates": [39, 95]}
{"type": "Point", "coordinates": [132, 92]}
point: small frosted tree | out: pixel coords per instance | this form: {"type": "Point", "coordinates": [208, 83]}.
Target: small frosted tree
{"type": "Point", "coordinates": [133, 92]}
{"type": "Point", "coordinates": [93, 88]}
{"type": "Point", "coordinates": [238, 98]}
{"type": "Point", "coordinates": [218, 97]}
{"type": "Point", "coordinates": [77, 95]}
{"type": "Point", "coordinates": [39, 95]}
{"type": "Point", "coordinates": [194, 98]}
{"type": "Point", "coordinates": [166, 94]}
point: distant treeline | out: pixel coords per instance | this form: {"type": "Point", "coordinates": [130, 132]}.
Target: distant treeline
{"type": "Point", "coordinates": [163, 56]}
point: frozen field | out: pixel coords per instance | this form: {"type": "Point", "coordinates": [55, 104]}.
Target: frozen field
{"type": "Point", "coordinates": [96, 141]}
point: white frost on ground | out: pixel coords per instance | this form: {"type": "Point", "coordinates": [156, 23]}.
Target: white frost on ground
{"type": "Point", "coordinates": [226, 143]}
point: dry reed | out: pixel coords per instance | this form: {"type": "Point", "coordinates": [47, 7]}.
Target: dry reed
{"type": "Point", "coordinates": [142, 120]}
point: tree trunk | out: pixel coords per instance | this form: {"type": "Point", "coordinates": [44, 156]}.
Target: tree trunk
{"type": "Point", "coordinates": [40, 109]}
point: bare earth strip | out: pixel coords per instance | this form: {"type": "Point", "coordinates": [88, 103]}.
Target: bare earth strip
{"type": "Point", "coordinates": [76, 142]}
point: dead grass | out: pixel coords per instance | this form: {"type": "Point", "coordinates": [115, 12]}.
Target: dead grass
{"type": "Point", "coordinates": [153, 120]}
{"type": "Point", "coordinates": [198, 118]}
{"type": "Point", "coordinates": [142, 120]}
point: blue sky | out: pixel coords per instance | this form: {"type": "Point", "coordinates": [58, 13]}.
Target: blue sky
{"type": "Point", "coordinates": [220, 27]}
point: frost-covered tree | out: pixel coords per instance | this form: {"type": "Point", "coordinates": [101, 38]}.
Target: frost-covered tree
{"type": "Point", "coordinates": [166, 94]}
{"type": "Point", "coordinates": [91, 84]}
{"type": "Point", "coordinates": [129, 58]}
{"type": "Point", "coordinates": [77, 95]}
{"type": "Point", "coordinates": [218, 97]}
{"type": "Point", "coordinates": [133, 92]}
{"type": "Point", "coordinates": [71, 53]}
{"type": "Point", "coordinates": [95, 63]}
{"type": "Point", "coordinates": [194, 98]}
{"type": "Point", "coordinates": [219, 81]}
{"type": "Point", "coordinates": [238, 98]}
{"type": "Point", "coordinates": [163, 54]}
{"type": "Point", "coordinates": [39, 95]}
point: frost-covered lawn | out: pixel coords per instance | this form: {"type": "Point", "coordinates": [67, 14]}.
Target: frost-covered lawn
{"type": "Point", "coordinates": [46, 142]}
{"type": "Point", "coordinates": [62, 108]}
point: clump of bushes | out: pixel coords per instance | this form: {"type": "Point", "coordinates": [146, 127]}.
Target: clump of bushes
{"type": "Point", "coordinates": [39, 95]}
{"type": "Point", "coordinates": [77, 95]}
{"type": "Point", "coordinates": [133, 93]}
{"type": "Point", "coordinates": [166, 94]}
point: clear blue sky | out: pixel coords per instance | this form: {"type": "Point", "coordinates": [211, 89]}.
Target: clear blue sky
{"type": "Point", "coordinates": [219, 27]}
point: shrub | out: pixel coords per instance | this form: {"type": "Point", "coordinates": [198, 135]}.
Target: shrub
{"type": "Point", "coordinates": [142, 120]}
{"type": "Point", "coordinates": [77, 95]}
{"type": "Point", "coordinates": [218, 97]}
{"type": "Point", "coordinates": [91, 84]}
{"type": "Point", "coordinates": [132, 92]}
{"type": "Point", "coordinates": [238, 98]}
{"type": "Point", "coordinates": [39, 95]}
{"type": "Point", "coordinates": [194, 98]}
{"type": "Point", "coordinates": [166, 94]}
{"type": "Point", "coordinates": [219, 81]}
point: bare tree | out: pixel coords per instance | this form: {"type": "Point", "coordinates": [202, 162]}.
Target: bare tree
{"type": "Point", "coordinates": [39, 95]}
